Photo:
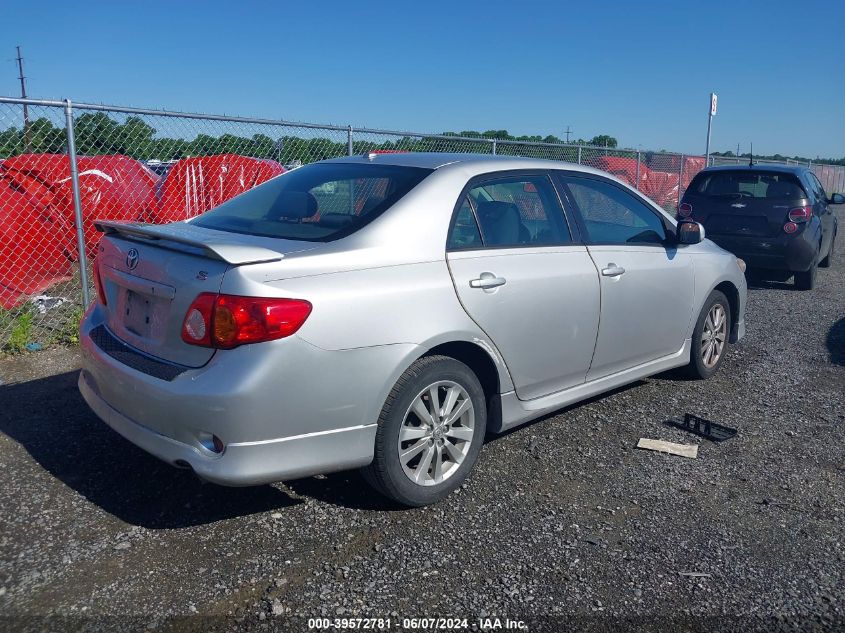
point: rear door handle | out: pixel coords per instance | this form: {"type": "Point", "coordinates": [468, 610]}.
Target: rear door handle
{"type": "Point", "coordinates": [612, 270]}
{"type": "Point", "coordinates": [486, 281]}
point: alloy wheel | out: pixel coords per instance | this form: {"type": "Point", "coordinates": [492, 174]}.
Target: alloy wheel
{"type": "Point", "coordinates": [436, 433]}
{"type": "Point", "coordinates": [714, 335]}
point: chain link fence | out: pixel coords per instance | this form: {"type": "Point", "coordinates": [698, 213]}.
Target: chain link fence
{"type": "Point", "coordinates": [156, 166]}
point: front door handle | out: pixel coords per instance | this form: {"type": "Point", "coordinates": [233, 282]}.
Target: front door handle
{"type": "Point", "coordinates": [612, 270]}
{"type": "Point", "coordinates": [486, 281]}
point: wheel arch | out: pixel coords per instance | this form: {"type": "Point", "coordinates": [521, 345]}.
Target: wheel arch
{"type": "Point", "coordinates": [487, 368]}
{"type": "Point", "coordinates": [467, 347]}
{"type": "Point", "coordinates": [732, 293]}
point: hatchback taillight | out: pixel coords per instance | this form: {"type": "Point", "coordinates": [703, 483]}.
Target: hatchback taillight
{"type": "Point", "coordinates": [226, 321]}
{"type": "Point", "coordinates": [790, 227]}
{"type": "Point", "coordinates": [685, 210]}
{"type": "Point", "coordinates": [801, 214]}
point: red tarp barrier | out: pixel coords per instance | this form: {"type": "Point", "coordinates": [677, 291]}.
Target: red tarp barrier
{"type": "Point", "coordinates": [692, 165]}
{"type": "Point", "coordinates": [624, 169]}
{"type": "Point", "coordinates": [37, 217]}
{"type": "Point", "coordinates": [195, 185]}
{"type": "Point", "coordinates": [661, 186]}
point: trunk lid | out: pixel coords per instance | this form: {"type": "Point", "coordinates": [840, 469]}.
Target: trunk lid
{"type": "Point", "coordinates": [739, 216]}
{"type": "Point", "coordinates": [151, 275]}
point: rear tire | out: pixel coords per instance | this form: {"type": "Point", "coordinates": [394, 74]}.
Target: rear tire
{"type": "Point", "coordinates": [424, 451]}
{"type": "Point", "coordinates": [807, 279]}
{"type": "Point", "coordinates": [827, 261]}
{"type": "Point", "coordinates": [710, 337]}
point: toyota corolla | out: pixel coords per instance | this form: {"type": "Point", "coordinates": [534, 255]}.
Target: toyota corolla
{"type": "Point", "coordinates": [386, 311]}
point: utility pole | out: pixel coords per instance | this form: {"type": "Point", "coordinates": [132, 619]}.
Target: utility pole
{"type": "Point", "coordinates": [25, 106]}
{"type": "Point", "coordinates": [710, 114]}
{"type": "Point", "coordinates": [568, 131]}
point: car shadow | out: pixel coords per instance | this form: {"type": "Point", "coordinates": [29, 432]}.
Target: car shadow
{"type": "Point", "coordinates": [836, 342]}
{"type": "Point", "coordinates": [759, 283]}
{"type": "Point", "coordinates": [597, 398]}
{"type": "Point", "coordinates": [347, 489]}
{"type": "Point", "coordinates": [350, 490]}
{"type": "Point", "coordinates": [51, 421]}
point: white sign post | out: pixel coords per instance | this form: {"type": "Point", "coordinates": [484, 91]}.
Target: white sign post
{"type": "Point", "coordinates": [713, 100]}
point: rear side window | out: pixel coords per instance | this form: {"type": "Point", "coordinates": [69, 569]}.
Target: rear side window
{"type": "Point", "coordinates": [817, 186]}
{"type": "Point", "coordinates": [319, 202]}
{"type": "Point", "coordinates": [747, 184]}
{"type": "Point", "coordinates": [510, 211]}
{"type": "Point", "coordinates": [465, 232]}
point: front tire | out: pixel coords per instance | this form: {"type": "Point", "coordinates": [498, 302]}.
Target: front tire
{"type": "Point", "coordinates": [710, 337]}
{"type": "Point", "coordinates": [430, 432]}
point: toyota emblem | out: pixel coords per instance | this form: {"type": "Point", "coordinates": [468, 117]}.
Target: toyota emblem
{"type": "Point", "coordinates": [132, 259]}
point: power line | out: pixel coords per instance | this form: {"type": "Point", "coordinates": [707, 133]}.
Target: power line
{"type": "Point", "coordinates": [568, 131]}
{"type": "Point", "coordinates": [22, 77]}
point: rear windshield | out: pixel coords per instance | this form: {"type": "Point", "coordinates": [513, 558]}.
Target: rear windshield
{"type": "Point", "coordinates": [320, 202]}
{"type": "Point", "coordinates": [746, 184]}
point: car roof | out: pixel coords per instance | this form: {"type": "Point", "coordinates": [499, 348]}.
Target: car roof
{"type": "Point", "coordinates": [481, 162]}
{"type": "Point", "coordinates": [787, 169]}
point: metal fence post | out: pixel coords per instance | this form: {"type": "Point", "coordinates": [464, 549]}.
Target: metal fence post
{"type": "Point", "coordinates": [494, 147]}
{"type": "Point", "coordinates": [680, 178]}
{"type": "Point", "coordinates": [77, 204]}
{"type": "Point", "coordinates": [579, 154]}
{"type": "Point", "coordinates": [349, 149]}
{"type": "Point", "coordinates": [637, 185]}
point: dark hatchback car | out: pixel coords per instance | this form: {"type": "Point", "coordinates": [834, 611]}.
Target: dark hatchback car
{"type": "Point", "coordinates": [775, 217]}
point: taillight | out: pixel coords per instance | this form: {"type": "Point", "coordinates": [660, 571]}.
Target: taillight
{"type": "Point", "coordinates": [196, 327]}
{"type": "Point", "coordinates": [790, 227]}
{"type": "Point", "coordinates": [685, 210]}
{"type": "Point", "coordinates": [801, 214]}
{"type": "Point", "coordinates": [226, 321]}
{"type": "Point", "coordinates": [98, 283]}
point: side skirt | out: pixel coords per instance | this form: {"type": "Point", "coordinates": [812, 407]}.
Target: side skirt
{"type": "Point", "coordinates": [516, 412]}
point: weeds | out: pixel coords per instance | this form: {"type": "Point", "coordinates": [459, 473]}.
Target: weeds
{"type": "Point", "coordinates": [18, 322]}
{"type": "Point", "coordinates": [68, 333]}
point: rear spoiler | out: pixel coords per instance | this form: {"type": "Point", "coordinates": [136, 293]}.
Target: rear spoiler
{"type": "Point", "coordinates": [213, 247]}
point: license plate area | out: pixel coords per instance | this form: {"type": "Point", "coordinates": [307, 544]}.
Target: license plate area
{"type": "Point", "coordinates": [739, 224]}
{"type": "Point", "coordinates": [139, 313]}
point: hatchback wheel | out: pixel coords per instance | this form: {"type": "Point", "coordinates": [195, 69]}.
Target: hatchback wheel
{"type": "Point", "coordinates": [429, 433]}
{"type": "Point", "coordinates": [807, 279]}
{"type": "Point", "coordinates": [828, 260]}
{"type": "Point", "coordinates": [710, 336]}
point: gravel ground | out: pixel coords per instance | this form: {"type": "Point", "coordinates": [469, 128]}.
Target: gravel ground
{"type": "Point", "coordinates": [564, 524]}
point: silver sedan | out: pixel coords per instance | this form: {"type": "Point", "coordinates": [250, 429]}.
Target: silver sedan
{"type": "Point", "coordinates": [386, 311]}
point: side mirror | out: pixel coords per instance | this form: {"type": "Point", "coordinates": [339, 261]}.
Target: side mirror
{"type": "Point", "coordinates": [690, 233]}
{"type": "Point", "coordinates": [837, 198]}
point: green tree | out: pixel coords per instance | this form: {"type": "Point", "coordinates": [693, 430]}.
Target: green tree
{"type": "Point", "coordinates": [603, 140]}
{"type": "Point", "coordinates": [96, 133]}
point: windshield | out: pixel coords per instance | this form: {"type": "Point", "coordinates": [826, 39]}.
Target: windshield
{"type": "Point", "coordinates": [319, 202]}
{"type": "Point", "coordinates": [746, 184]}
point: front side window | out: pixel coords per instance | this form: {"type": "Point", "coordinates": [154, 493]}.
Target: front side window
{"type": "Point", "coordinates": [511, 211]}
{"type": "Point", "coordinates": [612, 215]}
{"type": "Point", "coordinates": [320, 202]}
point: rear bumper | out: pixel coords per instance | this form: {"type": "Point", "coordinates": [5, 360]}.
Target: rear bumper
{"type": "Point", "coordinates": [794, 253]}
{"type": "Point", "coordinates": [283, 409]}
{"type": "Point", "coordinates": [248, 463]}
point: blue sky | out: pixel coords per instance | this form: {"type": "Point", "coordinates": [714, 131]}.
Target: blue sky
{"type": "Point", "coordinates": [639, 71]}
